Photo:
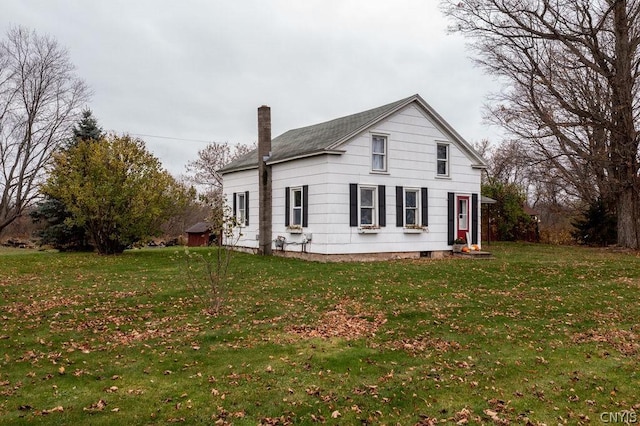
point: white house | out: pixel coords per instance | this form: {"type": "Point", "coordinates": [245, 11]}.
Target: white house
{"type": "Point", "coordinates": [396, 181]}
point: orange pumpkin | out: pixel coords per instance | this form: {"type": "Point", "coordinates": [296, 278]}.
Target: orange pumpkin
{"type": "Point", "coordinates": [465, 249]}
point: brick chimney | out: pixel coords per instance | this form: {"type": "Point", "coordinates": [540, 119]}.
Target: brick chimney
{"type": "Point", "coordinates": [264, 180]}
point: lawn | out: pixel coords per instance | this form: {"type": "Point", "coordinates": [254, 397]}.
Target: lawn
{"type": "Point", "coordinates": [538, 335]}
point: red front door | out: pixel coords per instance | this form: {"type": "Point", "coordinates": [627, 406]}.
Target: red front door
{"type": "Point", "coordinates": [462, 210]}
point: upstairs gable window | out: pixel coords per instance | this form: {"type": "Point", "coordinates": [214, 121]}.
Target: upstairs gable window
{"type": "Point", "coordinates": [442, 159]}
{"type": "Point", "coordinates": [378, 153]}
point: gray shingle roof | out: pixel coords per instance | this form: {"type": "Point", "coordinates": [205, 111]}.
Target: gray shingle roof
{"type": "Point", "coordinates": [328, 136]}
{"type": "Point", "coordinates": [199, 228]}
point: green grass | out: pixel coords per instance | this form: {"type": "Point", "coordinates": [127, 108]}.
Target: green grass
{"type": "Point", "coordinates": [539, 334]}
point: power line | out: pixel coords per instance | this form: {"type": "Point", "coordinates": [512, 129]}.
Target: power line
{"type": "Point", "coordinates": [168, 137]}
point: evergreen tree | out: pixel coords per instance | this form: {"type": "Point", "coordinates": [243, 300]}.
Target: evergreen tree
{"type": "Point", "coordinates": [52, 213]}
{"type": "Point", "coordinates": [86, 129]}
{"type": "Point", "coordinates": [597, 226]}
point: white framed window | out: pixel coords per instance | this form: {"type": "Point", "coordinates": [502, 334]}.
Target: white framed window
{"type": "Point", "coordinates": [442, 159]}
{"type": "Point", "coordinates": [241, 209]}
{"type": "Point", "coordinates": [378, 153]}
{"type": "Point", "coordinates": [296, 212]}
{"type": "Point", "coordinates": [367, 206]}
{"type": "Point", "coordinates": [411, 207]}
{"type": "Point", "coordinates": [296, 207]}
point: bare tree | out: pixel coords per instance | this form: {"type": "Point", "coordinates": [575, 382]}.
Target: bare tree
{"type": "Point", "coordinates": [40, 99]}
{"type": "Point", "coordinates": [511, 165]}
{"type": "Point", "coordinates": [505, 162]}
{"type": "Point", "coordinates": [571, 72]}
{"type": "Point", "coordinates": [203, 171]}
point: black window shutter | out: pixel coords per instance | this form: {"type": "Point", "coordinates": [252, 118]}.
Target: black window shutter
{"type": "Point", "coordinates": [474, 218]}
{"type": "Point", "coordinates": [287, 206]}
{"type": "Point", "coordinates": [451, 216]}
{"type": "Point", "coordinates": [425, 206]}
{"type": "Point", "coordinates": [353, 204]}
{"type": "Point", "coordinates": [305, 204]}
{"type": "Point", "coordinates": [246, 208]}
{"type": "Point", "coordinates": [235, 204]}
{"type": "Point", "coordinates": [399, 206]}
{"type": "Point", "coordinates": [382, 205]}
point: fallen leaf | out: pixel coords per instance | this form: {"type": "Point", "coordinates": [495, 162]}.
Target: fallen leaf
{"type": "Point", "coordinates": [97, 406]}
{"type": "Point", "coordinates": [59, 408]}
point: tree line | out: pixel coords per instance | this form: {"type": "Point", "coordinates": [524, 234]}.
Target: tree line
{"type": "Point", "coordinates": [568, 105]}
{"type": "Point", "coordinates": [87, 189]}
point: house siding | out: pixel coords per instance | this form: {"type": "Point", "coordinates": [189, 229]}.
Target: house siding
{"type": "Point", "coordinates": [313, 173]}
{"type": "Point", "coordinates": [243, 181]}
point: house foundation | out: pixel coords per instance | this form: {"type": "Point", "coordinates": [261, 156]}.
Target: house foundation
{"type": "Point", "coordinates": [362, 257]}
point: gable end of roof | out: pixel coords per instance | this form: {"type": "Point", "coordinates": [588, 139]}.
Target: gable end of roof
{"type": "Point", "coordinates": [329, 136]}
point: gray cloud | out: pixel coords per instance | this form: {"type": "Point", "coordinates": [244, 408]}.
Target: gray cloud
{"type": "Point", "coordinates": [199, 69]}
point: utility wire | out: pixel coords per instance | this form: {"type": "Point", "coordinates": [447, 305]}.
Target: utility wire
{"type": "Point", "coordinates": [168, 137]}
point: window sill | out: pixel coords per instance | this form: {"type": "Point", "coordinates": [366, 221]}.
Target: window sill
{"type": "Point", "coordinates": [414, 230]}
{"type": "Point", "coordinates": [379, 172]}
{"type": "Point", "coordinates": [294, 230]}
{"type": "Point", "coordinates": [368, 230]}
{"type": "Point", "coordinates": [443, 177]}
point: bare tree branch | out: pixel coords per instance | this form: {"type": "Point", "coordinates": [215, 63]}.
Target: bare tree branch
{"type": "Point", "coordinates": [571, 72]}
{"type": "Point", "coordinates": [40, 98]}
{"type": "Point", "coordinates": [203, 171]}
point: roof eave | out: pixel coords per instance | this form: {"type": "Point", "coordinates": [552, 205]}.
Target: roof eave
{"type": "Point", "coordinates": [307, 155]}
{"type": "Point", "coordinates": [237, 169]}
{"type": "Point", "coordinates": [284, 160]}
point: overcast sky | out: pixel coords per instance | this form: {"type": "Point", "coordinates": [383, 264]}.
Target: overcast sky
{"type": "Point", "coordinates": [183, 73]}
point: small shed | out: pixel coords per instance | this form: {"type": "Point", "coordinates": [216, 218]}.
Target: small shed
{"type": "Point", "coordinates": [199, 234]}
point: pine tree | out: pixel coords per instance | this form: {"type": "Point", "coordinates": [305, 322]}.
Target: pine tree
{"type": "Point", "coordinates": [52, 213]}
{"type": "Point", "coordinates": [597, 226]}
{"type": "Point", "coordinates": [86, 129]}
